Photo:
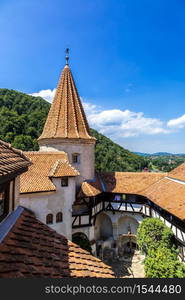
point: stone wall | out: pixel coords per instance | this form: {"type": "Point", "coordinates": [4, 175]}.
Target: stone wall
{"type": "Point", "coordinates": [43, 204]}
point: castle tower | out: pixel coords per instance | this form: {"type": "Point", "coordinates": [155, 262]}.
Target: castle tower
{"type": "Point", "coordinates": [66, 128]}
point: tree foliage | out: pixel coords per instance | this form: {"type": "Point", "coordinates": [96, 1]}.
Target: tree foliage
{"type": "Point", "coordinates": [153, 233]}
{"type": "Point", "coordinates": [22, 118]}
{"type": "Point", "coordinates": [82, 242]}
{"type": "Point", "coordinates": [156, 240]}
{"type": "Point", "coordinates": [110, 156]}
{"type": "Point", "coordinates": [163, 263]}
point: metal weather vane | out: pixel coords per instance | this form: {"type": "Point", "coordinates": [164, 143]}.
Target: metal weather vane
{"type": "Point", "coordinates": [67, 56]}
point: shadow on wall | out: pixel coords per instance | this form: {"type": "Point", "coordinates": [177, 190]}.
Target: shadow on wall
{"type": "Point", "coordinates": [103, 227]}
{"type": "Point", "coordinates": [117, 253]}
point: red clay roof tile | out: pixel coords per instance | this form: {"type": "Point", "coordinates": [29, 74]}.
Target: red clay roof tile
{"type": "Point", "coordinates": [38, 251]}
{"type": "Point", "coordinates": [11, 160]}
{"type": "Point", "coordinates": [45, 165]}
{"type": "Point", "coordinates": [66, 118]}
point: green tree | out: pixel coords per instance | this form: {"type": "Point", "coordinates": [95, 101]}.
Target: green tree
{"type": "Point", "coordinates": [24, 142]}
{"type": "Point", "coordinates": [153, 233]}
{"type": "Point", "coordinates": [82, 242]}
{"type": "Point", "coordinates": [163, 263]}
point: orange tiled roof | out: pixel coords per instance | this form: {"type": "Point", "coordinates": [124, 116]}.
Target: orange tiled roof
{"type": "Point", "coordinates": [63, 168]}
{"type": "Point", "coordinates": [178, 173]}
{"type": "Point", "coordinates": [119, 182]}
{"type": "Point", "coordinates": [11, 160]}
{"type": "Point", "coordinates": [29, 248]}
{"type": "Point", "coordinates": [161, 188]}
{"type": "Point", "coordinates": [91, 187]}
{"type": "Point", "coordinates": [45, 165]}
{"type": "Point", "coordinates": [168, 194]}
{"type": "Point", "coordinates": [66, 118]}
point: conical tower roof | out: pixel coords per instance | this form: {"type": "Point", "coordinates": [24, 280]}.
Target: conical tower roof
{"type": "Point", "coordinates": [66, 118]}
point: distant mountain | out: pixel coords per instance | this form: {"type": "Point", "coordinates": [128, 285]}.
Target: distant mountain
{"type": "Point", "coordinates": [142, 154]}
{"type": "Point", "coordinates": [22, 118]}
{"type": "Point", "coordinates": [159, 154]}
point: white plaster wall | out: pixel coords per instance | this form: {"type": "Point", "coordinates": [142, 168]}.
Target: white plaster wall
{"type": "Point", "coordinates": [86, 151]}
{"type": "Point", "coordinates": [88, 231]}
{"type": "Point", "coordinates": [14, 192]}
{"type": "Point", "coordinates": [126, 222]}
{"type": "Point", "coordinates": [11, 193]}
{"type": "Point", "coordinates": [17, 190]}
{"type": "Point", "coordinates": [115, 217]}
{"type": "Point", "coordinates": [115, 222]}
{"type": "Point", "coordinates": [43, 204]}
{"type": "Point", "coordinates": [103, 226]}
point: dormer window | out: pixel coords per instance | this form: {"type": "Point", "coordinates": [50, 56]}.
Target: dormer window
{"type": "Point", "coordinates": [76, 158]}
{"type": "Point", "coordinates": [64, 181]}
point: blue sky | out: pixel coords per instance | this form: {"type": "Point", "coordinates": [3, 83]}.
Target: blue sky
{"type": "Point", "coordinates": [127, 58]}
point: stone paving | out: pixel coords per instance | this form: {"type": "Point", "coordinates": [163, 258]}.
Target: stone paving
{"type": "Point", "coordinates": [129, 266]}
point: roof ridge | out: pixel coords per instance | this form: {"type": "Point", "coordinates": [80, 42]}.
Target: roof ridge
{"type": "Point", "coordinates": [7, 224]}
{"type": "Point", "coordinates": [46, 152]}
{"type": "Point", "coordinates": [74, 109]}
{"type": "Point", "coordinates": [55, 167]}
{"type": "Point", "coordinates": [17, 151]}
{"type": "Point", "coordinates": [80, 108]}
{"type": "Point", "coordinates": [143, 191]}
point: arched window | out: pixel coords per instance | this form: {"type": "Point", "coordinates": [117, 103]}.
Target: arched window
{"type": "Point", "coordinates": [59, 217]}
{"type": "Point", "coordinates": [76, 158]}
{"type": "Point", "coordinates": [49, 219]}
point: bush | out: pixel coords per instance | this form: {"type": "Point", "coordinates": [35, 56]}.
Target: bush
{"type": "Point", "coordinates": [82, 242]}
{"type": "Point", "coordinates": [163, 263]}
{"type": "Point", "coordinates": [156, 240]}
{"type": "Point", "coordinates": [153, 233]}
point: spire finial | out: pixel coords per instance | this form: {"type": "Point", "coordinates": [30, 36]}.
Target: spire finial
{"type": "Point", "coordinates": [67, 56]}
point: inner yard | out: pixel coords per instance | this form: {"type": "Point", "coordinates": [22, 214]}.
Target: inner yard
{"type": "Point", "coordinates": [128, 266]}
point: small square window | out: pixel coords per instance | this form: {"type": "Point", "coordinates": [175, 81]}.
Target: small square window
{"type": "Point", "coordinates": [64, 181]}
{"type": "Point", "coordinates": [76, 158]}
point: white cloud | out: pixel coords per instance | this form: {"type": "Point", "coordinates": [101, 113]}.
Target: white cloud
{"type": "Point", "coordinates": [45, 94]}
{"type": "Point", "coordinates": [177, 123]}
{"type": "Point", "coordinates": [89, 107]}
{"type": "Point", "coordinates": [117, 123]}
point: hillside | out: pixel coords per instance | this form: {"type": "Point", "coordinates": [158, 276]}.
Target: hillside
{"type": "Point", "coordinates": [22, 118]}
{"type": "Point", "coordinates": [163, 161]}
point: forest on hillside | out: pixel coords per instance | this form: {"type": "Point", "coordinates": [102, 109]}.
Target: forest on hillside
{"type": "Point", "coordinates": [22, 118]}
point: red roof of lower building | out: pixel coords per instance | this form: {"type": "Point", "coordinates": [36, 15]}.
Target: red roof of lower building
{"type": "Point", "coordinates": [29, 248]}
{"type": "Point", "coordinates": [45, 165]}
{"type": "Point", "coordinates": [119, 182]}
{"type": "Point", "coordinates": [11, 160]}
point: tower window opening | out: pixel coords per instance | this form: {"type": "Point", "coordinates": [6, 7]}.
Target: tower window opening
{"type": "Point", "coordinates": [59, 217]}
{"type": "Point", "coordinates": [76, 158]}
{"type": "Point", "coordinates": [49, 219]}
{"type": "Point", "coordinates": [64, 181]}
